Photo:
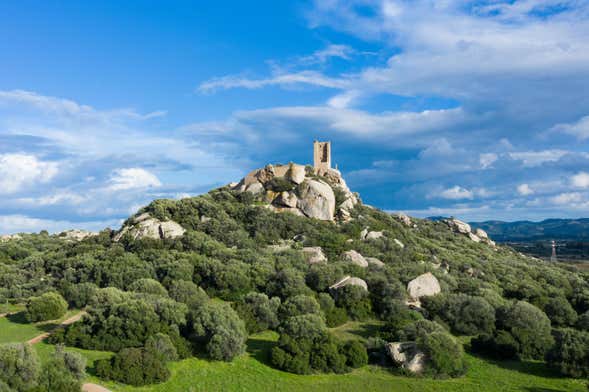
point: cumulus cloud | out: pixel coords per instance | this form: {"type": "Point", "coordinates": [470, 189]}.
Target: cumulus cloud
{"type": "Point", "coordinates": [25, 224]}
{"type": "Point", "coordinates": [580, 180]}
{"type": "Point", "coordinates": [487, 159]}
{"type": "Point", "coordinates": [132, 178]}
{"type": "Point", "coordinates": [537, 158]}
{"type": "Point", "coordinates": [579, 129]}
{"type": "Point", "coordinates": [456, 193]}
{"type": "Point", "coordinates": [18, 171]}
{"type": "Point", "coordinates": [567, 198]}
{"type": "Point", "coordinates": [524, 190]}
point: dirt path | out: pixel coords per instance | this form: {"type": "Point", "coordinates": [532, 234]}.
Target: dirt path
{"type": "Point", "coordinates": [89, 387]}
{"type": "Point", "coordinates": [65, 322]}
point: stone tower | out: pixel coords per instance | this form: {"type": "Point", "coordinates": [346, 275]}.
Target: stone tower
{"type": "Point", "coordinates": [321, 156]}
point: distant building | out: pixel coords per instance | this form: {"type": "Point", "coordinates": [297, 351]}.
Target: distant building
{"type": "Point", "coordinates": [321, 157]}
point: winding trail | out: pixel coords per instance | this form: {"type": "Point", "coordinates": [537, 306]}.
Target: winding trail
{"type": "Point", "coordinates": [64, 323]}
{"type": "Point", "coordinates": [89, 387]}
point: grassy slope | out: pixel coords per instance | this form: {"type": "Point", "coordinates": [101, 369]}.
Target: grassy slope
{"type": "Point", "coordinates": [250, 373]}
{"type": "Point", "coordinates": [15, 328]}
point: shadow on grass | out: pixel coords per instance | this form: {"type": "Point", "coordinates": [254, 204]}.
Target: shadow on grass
{"type": "Point", "coordinates": [533, 368]}
{"type": "Point", "coordinates": [537, 389]}
{"type": "Point", "coordinates": [18, 318]}
{"type": "Point", "coordinates": [260, 349]}
{"type": "Point", "coordinates": [365, 330]}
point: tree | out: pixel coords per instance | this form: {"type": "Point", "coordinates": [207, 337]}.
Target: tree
{"type": "Point", "coordinates": [258, 312]}
{"type": "Point", "coordinates": [529, 326]}
{"type": "Point", "coordinates": [217, 327]}
{"type": "Point", "coordinates": [307, 326]}
{"type": "Point", "coordinates": [560, 312]}
{"type": "Point", "coordinates": [445, 354]}
{"type": "Point", "coordinates": [19, 366]}
{"type": "Point", "coordinates": [356, 354]}
{"type": "Point", "coordinates": [299, 305]}
{"type": "Point", "coordinates": [570, 353]}
{"type": "Point", "coordinates": [148, 286]}
{"type": "Point", "coordinates": [134, 366]}
{"type": "Point", "coordinates": [48, 306]}
{"type": "Point", "coordinates": [465, 314]}
{"type": "Point", "coordinates": [187, 292]}
{"type": "Point", "coordinates": [161, 344]}
{"type": "Point", "coordinates": [355, 300]}
{"type": "Point", "coordinates": [63, 372]}
{"type": "Point", "coordinates": [583, 322]}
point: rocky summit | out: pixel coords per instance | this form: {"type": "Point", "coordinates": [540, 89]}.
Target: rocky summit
{"type": "Point", "coordinates": [299, 190]}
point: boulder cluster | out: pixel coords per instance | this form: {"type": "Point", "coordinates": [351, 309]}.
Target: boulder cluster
{"type": "Point", "coordinates": [297, 189]}
{"type": "Point", "coordinates": [478, 235]}
{"type": "Point", "coordinates": [146, 226]}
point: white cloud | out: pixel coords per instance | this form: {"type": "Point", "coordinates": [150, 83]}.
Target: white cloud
{"type": "Point", "coordinates": [537, 158]}
{"type": "Point", "coordinates": [579, 129]}
{"type": "Point", "coordinates": [330, 51]}
{"type": "Point", "coordinates": [567, 198]}
{"type": "Point", "coordinates": [132, 178]}
{"type": "Point", "coordinates": [385, 125]}
{"type": "Point", "coordinates": [18, 171]}
{"type": "Point", "coordinates": [580, 180]}
{"type": "Point", "coordinates": [10, 224]}
{"type": "Point", "coordinates": [456, 193]}
{"type": "Point", "coordinates": [524, 190]}
{"type": "Point", "coordinates": [282, 79]}
{"type": "Point", "coordinates": [487, 159]}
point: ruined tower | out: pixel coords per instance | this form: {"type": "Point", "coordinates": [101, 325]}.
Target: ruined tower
{"type": "Point", "coordinates": [321, 156]}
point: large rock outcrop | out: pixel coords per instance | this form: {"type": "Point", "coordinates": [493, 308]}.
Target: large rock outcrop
{"type": "Point", "coordinates": [297, 189]}
{"type": "Point", "coordinates": [349, 281]}
{"type": "Point", "coordinates": [145, 226]}
{"type": "Point", "coordinates": [460, 227]}
{"type": "Point", "coordinates": [423, 286]}
{"type": "Point", "coordinates": [407, 355]}
{"type": "Point", "coordinates": [76, 235]}
{"type": "Point", "coordinates": [353, 257]}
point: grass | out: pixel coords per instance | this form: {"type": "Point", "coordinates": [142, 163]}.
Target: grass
{"type": "Point", "coordinates": [15, 328]}
{"type": "Point", "coordinates": [11, 308]}
{"type": "Point", "coordinates": [357, 330]}
{"type": "Point", "coordinates": [252, 372]}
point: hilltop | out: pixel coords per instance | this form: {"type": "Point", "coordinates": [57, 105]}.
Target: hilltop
{"type": "Point", "coordinates": [293, 250]}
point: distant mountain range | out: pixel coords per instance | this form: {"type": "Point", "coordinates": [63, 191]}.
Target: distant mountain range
{"type": "Point", "coordinates": [549, 229]}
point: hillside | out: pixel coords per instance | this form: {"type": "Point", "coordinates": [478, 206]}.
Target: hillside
{"type": "Point", "coordinates": [297, 253]}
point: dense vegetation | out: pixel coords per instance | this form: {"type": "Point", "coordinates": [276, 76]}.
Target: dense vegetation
{"type": "Point", "coordinates": [238, 270]}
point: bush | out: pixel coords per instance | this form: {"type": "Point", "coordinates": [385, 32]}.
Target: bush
{"type": "Point", "coordinates": [187, 292]}
{"type": "Point", "coordinates": [501, 345]}
{"type": "Point", "coordinates": [48, 306]}
{"type": "Point", "coordinates": [298, 306]}
{"type": "Point", "coordinates": [529, 326]}
{"type": "Point", "coordinates": [465, 314]}
{"type": "Point", "coordinates": [161, 344]}
{"type": "Point", "coordinates": [218, 328]}
{"type": "Point", "coordinates": [148, 286]}
{"type": "Point", "coordinates": [418, 330]}
{"type": "Point", "coordinates": [570, 353]}
{"type": "Point", "coordinates": [19, 366]}
{"type": "Point", "coordinates": [445, 354]}
{"type": "Point", "coordinates": [356, 354]}
{"type": "Point", "coordinates": [134, 366]}
{"type": "Point", "coordinates": [560, 312]}
{"type": "Point", "coordinates": [355, 300]}
{"type": "Point", "coordinates": [63, 372]}
{"type": "Point", "coordinates": [583, 322]}
{"type": "Point", "coordinates": [280, 184]}
{"type": "Point", "coordinates": [258, 312]}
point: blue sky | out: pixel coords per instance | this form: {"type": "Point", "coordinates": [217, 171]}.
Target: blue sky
{"type": "Point", "coordinates": [477, 109]}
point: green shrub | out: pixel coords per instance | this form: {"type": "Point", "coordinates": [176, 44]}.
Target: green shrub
{"type": "Point", "coordinates": [570, 353]}
{"type": "Point", "coordinates": [258, 312]}
{"type": "Point", "coordinates": [280, 184]}
{"type": "Point", "coordinates": [501, 345]}
{"type": "Point", "coordinates": [560, 312]}
{"type": "Point", "coordinates": [134, 366]}
{"type": "Point", "coordinates": [63, 372]}
{"type": "Point", "coordinates": [161, 344]}
{"type": "Point", "coordinates": [219, 330]}
{"type": "Point", "coordinates": [529, 326]}
{"type": "Point", "coordinates": [355, 300]}
{"type": "Point", "coordinates": [445, 354]}
{"type": "Point", "coordinates": [48, 306]}
{"type": "Point", "coordinates": [148, 286]}
{"type": "Point", "coordinates": [356, 354]}
{"type": "Point", "coordinates": [19, 366]}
